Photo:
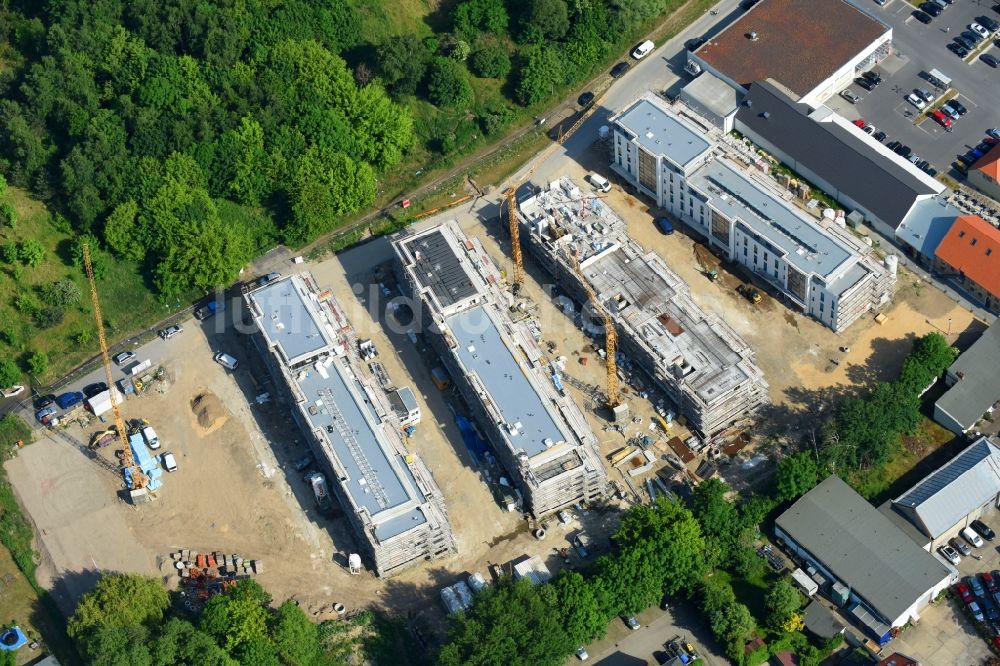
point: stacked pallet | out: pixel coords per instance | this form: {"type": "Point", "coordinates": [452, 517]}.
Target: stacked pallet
{"type": "Point", "coordinates": [214, 564]}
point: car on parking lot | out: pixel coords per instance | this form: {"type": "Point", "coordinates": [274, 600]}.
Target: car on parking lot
{"type": "Point", "coordinates": [958, 49]}
{"type": "Point", "coordinates": [879, 136]}
{"type": "Point", "coordinates": [931, 8]}
{"type": "Point", "coordinates": [860, 122]}
{"type": "Point", "coordinates": [123, 357]}
{"type": "Point", "coordinates": [950, 108]}
{"type": "Point", "coordinates": [973, 37]}
{"type": "Point", "coordinates": [868, 129]}
{"type": "Point", "coordinates": [170, 331]}
{"type": "Point", "coordinates": [44, 414]}
{"type": "Point", "coordinates": [977, 612]}
{"type": "Point", "coordinates": [960, 546]}
{"type": "Point", "coordinates": [913, 158]}
{"type": "Point", "coordinates": [964, 592]}
{"type": "Point", "coordinates": [873, 76]}
{"type": "Point", "coordinates": [970, 535]}
{"type": "Point", "coordinates": [619, 70]}
{"type": "Point", "coordinates": [994, 132]}
{"type": "Point", "coordinates": [922, 16]}
{"type": "Point", "coordinates": [43, 401]}
{"type": "Point", "coordinates": [975, 585]}
{"type": "Point", "coordinates": [924, 94]}
{"type": "Point", "coordinates": [581, 653]}
{"type": "Point", "coordinates": [850, 96]}
{"type": "Point", "coordinates": [983, 530]}
{"type": "Point", "coordinates": [893, 145]}
{"type": "Point", "coordinates": [69, 399]}
{"type": "Point", "coordinates": [988, 23]}
{"type": "Point", "coordinates": [923, 164]}
{"type": "Point", "coordinates": [941, 118]}
{"type": "Point", "coordinates": [905, 151]}
{"type": "Point", "coordinates": [586, 98]}
{"type": "Point", "coordinates": [989, 581]}
{"type": "Point", "coordinates": [90, 390]}
{"type": "Point", "coordinates": [990, 60]}
{"type": "Point", "coordinates": [865, 83]}
{"type": "Point", "coordinates": [966, 159]}
{"type": "Point", "coordinates": [916, 101]}
{"type": "Point", "coordinates": [226, 361]}
{"type": "Point", "coordinates": [948, 553]}
{"type": "Point", "coordinates": [632, 623]}
{"type": "Point", "coordinates": [966, 43]}
{"type": "Point", "coordinates": [979, 30]}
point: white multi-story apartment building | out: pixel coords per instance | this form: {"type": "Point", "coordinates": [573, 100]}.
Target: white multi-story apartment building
{"type": "Point", "coordinates": [820, 266]}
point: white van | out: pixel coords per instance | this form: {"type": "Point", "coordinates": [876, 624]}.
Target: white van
{"type": "Point", "coordinates": [226, 361]}
{"type": "Point", "coordinates": [148, 434]}
{"type": "Point", "coordinates": [643, 50]}
{"type": "Point", "coordinates": [600, 183]}
{"type": "Point", "coordinates": [169, 462]}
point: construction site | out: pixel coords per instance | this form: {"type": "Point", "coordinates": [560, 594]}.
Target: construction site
{"type": "Point", "coordinates": [702, 364]}
{"type": "Point", "coordinates": [386, 491]}
{"type": "Point", "coordinates": [491, 350]}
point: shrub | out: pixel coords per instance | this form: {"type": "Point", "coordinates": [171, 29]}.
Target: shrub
{"type": "Point", "coordinates": [490, 61]}
{"type": "Point", "coordinates": [49, 316]}
{"type": "Point", "coordinates": [30, 252]}
{"type": "Point", "coordinates": [8, 216]}
{"type": "Point", "coordinates": [62, 293]}
{"type": "Point", "coordinates": [38, 363]}
{"type": "Point", "coordinates": [8, 251]}
{"type": "Point", "coordinates": [26, 303]}
{"type": "Point", "coordinates": [447, 84]}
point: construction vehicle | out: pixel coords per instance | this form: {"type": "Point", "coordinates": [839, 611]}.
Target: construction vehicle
{"type": "Point", "coordinates": [712, 275]}
{"type": "Point", "coordinates": [134, 476]}
{"type": "Point", "coordinates": [750, 293]}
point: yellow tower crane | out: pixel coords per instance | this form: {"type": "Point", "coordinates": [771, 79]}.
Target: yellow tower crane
{"type": "Point", "coordinates": [510, 195]}
{"type": "Point", "coordinates": [610, 343]}
{"type": "Point", "coordinates": [128, 462]}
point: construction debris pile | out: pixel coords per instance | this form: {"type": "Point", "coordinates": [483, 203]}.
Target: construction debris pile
{"type": "Point", "coordinates": [207, 574]}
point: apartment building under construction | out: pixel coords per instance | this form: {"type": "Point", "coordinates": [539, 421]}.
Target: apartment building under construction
{"type": "Point", "coordinates": [385, 490]}
{"type": "Point", "coordinates": [537, 431]}
{"type": "Point", "coordinates": [702, 364]}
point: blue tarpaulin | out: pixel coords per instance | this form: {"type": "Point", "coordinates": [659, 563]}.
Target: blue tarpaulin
{"type": "Point", "coordinates": [473, 442]}
{"type": "Point", "coordinates": [12, 639]}
{"type": "Point", "coordinates": [146, 461]}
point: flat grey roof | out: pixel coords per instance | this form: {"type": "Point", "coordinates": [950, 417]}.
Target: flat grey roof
{"type": "Point", "coordinates": [661, 133]}
{"type": "Point", "coordinates": [954, 490]}
{"type": "Point", "coordinates": [438, 267]}
{"type": "Point", "coordinates": [483, 353]}
{"type": "Point", "coordinates": [805, 245]}
{"type": "Point", "coordinates": [336, 405]}
{"type": "Point", "coordinates": [927, 224]}
{"type": "Point", "coordinates": [862, 547]}
{"type": "Point", "coordinates": [979, 386]}
{"type": "Point", "coordinates": [289, 321]}
{"type": "Point", "coordinates": [833, 153]}
{"type": "Point", "coordinates": [712, 93]}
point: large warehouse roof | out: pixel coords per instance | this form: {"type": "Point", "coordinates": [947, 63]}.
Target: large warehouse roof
{"type": "Point", "coordinates": [856, 166]}
{"type": "Point", "coordinates": [799, 43]}
{"type": "Point", "coordinates": [954, 490]}
{"type": "Point", "coordinates": [862, 547]}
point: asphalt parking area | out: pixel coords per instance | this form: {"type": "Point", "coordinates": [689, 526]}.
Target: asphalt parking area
{"type": "Point", "coordinates": [918, 49]}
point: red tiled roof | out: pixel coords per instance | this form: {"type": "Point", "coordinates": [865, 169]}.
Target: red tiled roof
{"type": "Point", "coordinates": [972, 246]}
{"type": "Point", "coordinates": [898, 659]}
{"type": "Point", "coordinates": [800, 43]}
{"type": "Point", "coordinates": [989, 163]}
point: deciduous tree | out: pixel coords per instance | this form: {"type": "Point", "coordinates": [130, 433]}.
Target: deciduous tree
{"type": "Point", "coordinates": [797, 474]}
{"type": "Point", "coordinates": [782, 603]}
{"type": "Point", "coordinates": [447, 84]}
{"type": "Point", "coordinates": [10, 374]}
{"type": "Point", "coordinates": [119, 600]}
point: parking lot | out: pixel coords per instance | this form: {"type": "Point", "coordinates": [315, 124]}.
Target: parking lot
{"type": "Point", "coordinates": [918, 49]}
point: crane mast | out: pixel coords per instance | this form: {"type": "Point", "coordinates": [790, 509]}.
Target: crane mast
{"type": "Point", "coordinates": [610, 337]}
{"type": "Point", "coordinates": [128, 462]}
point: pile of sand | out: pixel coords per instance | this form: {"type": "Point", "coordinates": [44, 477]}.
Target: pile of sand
{"type": "Point", "coordinates": [208, 411]}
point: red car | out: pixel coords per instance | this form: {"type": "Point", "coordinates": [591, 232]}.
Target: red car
{"type": "Point", "coordinates": [941, 118]}
{"type": "Point", "coordinates": [989, 581]}
{"type": "Point", "coordinates": [860, 123]}
{"type": "Point", "coordinates": [963, 591]}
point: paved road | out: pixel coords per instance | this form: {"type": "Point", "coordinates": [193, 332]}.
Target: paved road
{"type": "Point", "coordinates": [622, 647]}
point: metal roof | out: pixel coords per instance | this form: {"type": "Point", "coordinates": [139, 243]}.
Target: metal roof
{"type": "Point", "coordinates": [712, 93]}
{"type": "Point", "coordinates": [484, 353]}
{"type": "Point", "coordinates": [862, 547]}
{"type": "Point", "coordinates": [436, 266]}
{"type": "Point", "coordinates": [661, 133]}
{"type": "Point", "coordinates": [290, 320]}
{"type": "Point", "coordinates": [951, 492]}
{"type": "Point", "coordinates": [927, 224]}
{"type": "Point", "coordinates": [978, 386]}
{"type": "Point", "coordinates": [805, 245]}
{"type": "Point", "coordinates": [859, 168]}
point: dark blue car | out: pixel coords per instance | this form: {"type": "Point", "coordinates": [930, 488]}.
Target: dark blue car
{"type": "Point", "coordinates": [69, 399]}
{"type": "Point", "coordinates": [665, 226]}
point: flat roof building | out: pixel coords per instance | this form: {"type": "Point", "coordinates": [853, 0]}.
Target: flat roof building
{"type": "Point", "coordinates": [812, 47]}
{"type": "Point", "coordinates": [891, 579]}
{"type": "Point", "coordinates": [974, 381]}
{"type": "Point", "coordinates": [952, 496]}
{"type": "Point", "coordinates": [538, 432]}
{"type": "Point", "coordinates": [702, 364]}
{"type": "Point", "coordinates": [386, 491]}
{"type": "Point", "coordinates": [817, 264]}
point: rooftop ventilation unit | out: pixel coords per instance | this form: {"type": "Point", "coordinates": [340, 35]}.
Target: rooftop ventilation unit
{"type": "Point", "coordinates": [752, 36]}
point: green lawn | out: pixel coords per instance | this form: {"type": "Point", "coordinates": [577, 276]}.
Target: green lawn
{"type": "Point", "coordinates": [126, 299]}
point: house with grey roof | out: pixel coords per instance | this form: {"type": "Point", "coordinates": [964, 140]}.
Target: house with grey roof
{"type": "Point", "coordinates": [974, 381]}
{"type": "Point", "coordinates": [955, 494]}
{"type": "Point", "coordinates": [890, 578]}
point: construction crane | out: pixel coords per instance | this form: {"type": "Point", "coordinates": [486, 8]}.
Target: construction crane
{"type": "Point", "coordinates": [618, 409]}
{"type": "Point", "coordinates": [511, 196]}
{"type": "Point", "coordinates": [128, 462]}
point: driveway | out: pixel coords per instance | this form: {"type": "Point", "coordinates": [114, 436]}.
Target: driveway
{"type": "Point", "coordinates": [919, 48]}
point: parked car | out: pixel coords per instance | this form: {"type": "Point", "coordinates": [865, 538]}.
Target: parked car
{"type": "Point", "coordinates": [44, 414]}
{"type": "Point", "coordinates": [169, 462]}
{"type": "Point", "coordinates": [226, 361]}
{"type": "Point", "coordinates": [619, 70]}
{"type": "Point", "coordinates": [643, 50]}
{"type": "Point", "coordinates": [169, 332]}
{"type": "Point", "coordinates": [977, 612]}
{"type": "Point", "coordinates": [581, 653]}
{"type": "Point", "coordinates": [69, 399]}
{"type": "Point", "coordinates": [148, 434]}
{"type": "Point", "coordinates": [865, 83]}
{"type": "Point", "coordinates": [916, 101]}
{"type": "Point", "coordinates": [869, 129]}
{"type": "Point", "coordinates": [960, 546]}
{"type": "Point", "coordinates": [988, 23]}
{"type": "Point", "coordinates": [632, 623]}
{"type": "Point", "coordinates": [879, 136]}
{"type": "Point", "coordinates": [586, 98]}
{"type": "Point", "coordinates": [43, 401]}
{"type": "Point", "coordinates": [931, 8]}
{"type": "Point", "coordinates": [941, 118]}
{"type": "Point", "coordinates": [924, 94]}
{"type": "Point", "coordinates": [304, 462]}
{"type": "Point", "coordinates": [950, 110]}
{"type": "Point", "coordinates": [666, 228]}
{"type": "Point", "coordinates": [976, 586]}
{"type": "Point", "coordinates": [893, 145]}
{"type": "Point", "coordinates": [979, 30]}
{"type": "Point", "coordinates": [948, 553]}
{"type": "Point", "coordinates": [973, 37]}
{"type": "Point", "coordinates": [994, 132]}
{"type": "Point", "coordinates": [970, 535]}
{"type": "Point", "coordinates": [850, 96]}
{"type": "Point", "coordinates": [983, 530]}
{"type": "Point", "coordinates": [914, 158]}
{"type": "Point", "coordinates": [90, 390]}
{"type": "Point", "coordinates": [989, 582]}
{"type": "Point", "coordinates": [966, 43]}
{"type": "Point", "coordinates": [990, 60]}
{"type": "Point", "coordinates": [124, 357]}
{"type": "Point", "coordinates": [958, 49]}
{"type": "Point", "coordinates": [873, 76]}
{"type": "Point", "coordinates": [964, 592]}
{"type": "Point", "coordinates": [958, 106]}
{"type": "Point", "coordinates": [922, 16]}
